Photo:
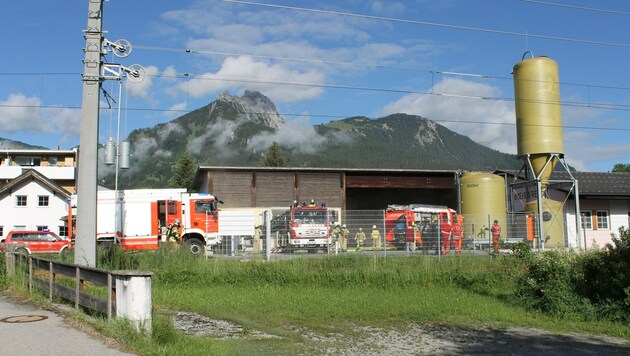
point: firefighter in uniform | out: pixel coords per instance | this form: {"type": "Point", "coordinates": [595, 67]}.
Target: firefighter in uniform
{"type": "Point", "coordinates": [411, 243]}
{"type": "Point", "coordinates": [457, 237]}
{"type": "Point", "coordinates": [256, 243]}
{"type": "Point", "coordinates": [376, 238]}
{"type": "Point", "coordinates": [496, 235]}
{"type": "Point", "coordinates": [343, 238]}
{"type": "Point", "coordinates": [417, 237]}
{"type": "Point", "coordinates": [172, 234]}
{"type": "Point", "coordinates": [360, 239]}
{"type": "Point", "coordinates": [336, 235]}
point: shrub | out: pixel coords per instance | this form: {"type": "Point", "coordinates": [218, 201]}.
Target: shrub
{"type": "Point", "coordinates": [549, 285]}
{"type": "Point", "coordinates": [606, 277]}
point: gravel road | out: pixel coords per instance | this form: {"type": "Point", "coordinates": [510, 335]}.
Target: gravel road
{"type": "Point", "coordinates": [422, 339]}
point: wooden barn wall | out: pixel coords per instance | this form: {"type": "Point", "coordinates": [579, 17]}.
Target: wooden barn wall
{"type": "Point", "coordinates": [233, 188]}
{"type": "Point", "coordinates": [274, 189]}
{"type": "Point", "coordinates": [391, 181]}
{"type": "Point", "coordinates": [323, 187]}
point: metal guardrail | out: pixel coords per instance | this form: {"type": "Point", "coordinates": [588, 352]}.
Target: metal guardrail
{"type": "Point", "coordinates": [113, 305]}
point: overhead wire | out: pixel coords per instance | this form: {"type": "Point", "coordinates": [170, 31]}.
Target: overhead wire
{"type": "Point", "coordinates": [427, 23]}
{"type": "Point", "coordinates": [615, 12]}
{"type": "Point", "coordinates": [619, 107]}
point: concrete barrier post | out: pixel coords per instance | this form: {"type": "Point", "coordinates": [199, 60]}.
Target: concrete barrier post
{"type": "Point", "coordinates": [133, 298]}
{"type": "Point", "coordinates": [9, 259]}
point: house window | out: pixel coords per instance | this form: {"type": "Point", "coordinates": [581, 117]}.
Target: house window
{"type": "Point", "coordinates": [42, 200]}
{"type": "Point", "coordinates": [20, 200]}
{"type": "Point", "coordinates": [63, 231]}
{"type": "Point", "coordinates": [19, 227]}
{"type": "Point", "coordinates": [602, 220]}
{"type": "Point", "coordinates": [28, 161]}
{"type": "Point", "coordinates": [587, 220]}
{"type": "Point", "coordinates": [1, 231]}
{"type": "Point", "coordinates": [42, 228]}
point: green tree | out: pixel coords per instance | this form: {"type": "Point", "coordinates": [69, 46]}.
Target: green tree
{"type": "Point", "coordinates": [621, 167]}
{"type": "Point", "coordinates": [274, 157]}
{"type": "Point", "coordinates": [183, 172]}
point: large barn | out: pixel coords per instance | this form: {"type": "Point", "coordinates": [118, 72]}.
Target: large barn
{"type": "Point", "coordinates": [347, 189]}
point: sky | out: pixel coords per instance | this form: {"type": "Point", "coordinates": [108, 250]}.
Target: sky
{"type": "Point", "coordinates": [449, 61]}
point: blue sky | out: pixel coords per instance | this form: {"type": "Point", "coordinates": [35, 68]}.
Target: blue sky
{"type": "Point", "coordinates": [370, 65]}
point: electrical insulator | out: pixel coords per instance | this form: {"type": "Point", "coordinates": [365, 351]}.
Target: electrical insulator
{"type": "Point", "coordinates": [124, 155]}
{"type": "Point", "coordinates": [110, 152]}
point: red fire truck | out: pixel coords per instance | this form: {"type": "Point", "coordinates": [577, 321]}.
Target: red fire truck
{"type": "Point", "coordinates": [139, 219]}
{"type": "Point", "coordinates": [439, 226]}
{"type": "Point", "coordinates": [304, 226]}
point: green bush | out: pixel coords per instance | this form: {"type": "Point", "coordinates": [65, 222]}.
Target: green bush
{"type": "Point", "coordinates": [606, 275]}
{"type": "Point", "coordinates": [550, 283]}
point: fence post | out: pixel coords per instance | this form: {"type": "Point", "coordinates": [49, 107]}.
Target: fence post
{"type": "Point", "coordinates": [30, 274]}
{"type": "Point", "coordinates": [110, 291]}
{"type": "Point", "coordinates": [9, 260]}
{"type": "Point", "coordinates": [51, 280]}
{"type": "Point", "coordinates": [133, 298]}
{"type": "Point", "coordinates": [77, 287]}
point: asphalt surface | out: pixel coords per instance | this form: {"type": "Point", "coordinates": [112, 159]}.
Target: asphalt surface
{"type": "Point", "coordinates": [29, 330]}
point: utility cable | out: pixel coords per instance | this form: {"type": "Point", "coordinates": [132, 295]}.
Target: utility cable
{"type": "Point", "coordinates": [427, 23]}
{"type": "Point", "coordinates": [615, 12]}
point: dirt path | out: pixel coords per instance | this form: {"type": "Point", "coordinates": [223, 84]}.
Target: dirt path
{"type": "Point", "coordinates": [423, 339]}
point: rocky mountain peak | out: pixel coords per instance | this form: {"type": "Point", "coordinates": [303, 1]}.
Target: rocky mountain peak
{"type": "Point", "coordinates": [255, 107]}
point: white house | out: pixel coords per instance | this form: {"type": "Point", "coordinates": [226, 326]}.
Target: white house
{"type": "Point", "coordinates": [604, 207]}
{"type": "Point", "coordinates": [56, 165]}
{"type": "Point", "coordinates": [32, 201]}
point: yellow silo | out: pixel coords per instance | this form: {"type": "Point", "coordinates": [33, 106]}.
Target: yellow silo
{"type": "Point", "coordinates": [553, 222]}
{"type": "Point", "coordinates": [538, 113]}
{"type": "Point", "coordinates": [483, 201]}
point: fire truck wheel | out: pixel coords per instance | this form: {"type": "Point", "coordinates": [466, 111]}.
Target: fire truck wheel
{"type": "Point", "coordinates": [195, 247]}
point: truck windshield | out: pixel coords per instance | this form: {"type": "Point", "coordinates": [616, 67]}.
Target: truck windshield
{"type": "Point", "coordinates": [206, 207]}
{"type": "Point", "coordinates": [310, 216]}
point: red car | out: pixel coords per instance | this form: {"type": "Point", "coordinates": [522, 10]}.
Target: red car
{"type": "Point", "coordinates": [36, 242]}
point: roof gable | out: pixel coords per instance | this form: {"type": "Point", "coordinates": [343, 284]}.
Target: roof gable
{"type": "Point", "coordinates": [33, 175]}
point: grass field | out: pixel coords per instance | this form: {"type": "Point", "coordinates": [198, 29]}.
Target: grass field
{"type": "Point", "coordinates": [329, 295]}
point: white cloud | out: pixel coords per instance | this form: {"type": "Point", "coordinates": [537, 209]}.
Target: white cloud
{"type": "Point", "coordinates": [175, 111]}
{"type": "Point", "coordinates": [295, 136]}
{"type": "Point", "coordinates": [20, 113]}
{"type": "Point", "coordinates": [257, 75]}
{"type": "Point", "coordinates": [488, 122]}
{"type": "Point", "coordinates": [583, 156]}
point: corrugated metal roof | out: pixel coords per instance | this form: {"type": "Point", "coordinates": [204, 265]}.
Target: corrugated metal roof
{"type": "Point", "coordinates": [311, 169]}
{"type": "Point", "coordinates": [601, 183]}
{"type": "Point", "coordinates": [604, 184]}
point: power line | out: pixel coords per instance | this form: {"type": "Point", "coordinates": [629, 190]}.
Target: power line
{"type": "Point", "coordinates": [323, 61]}
{"type": "Point", "coordinates": [426, 23]}
{"type": "Point", "coordinates": [615, 12]}
{"type": "Point", "coordinates": [307, 60]}
{"type": "Point", "coordinates": [346, 116]}
{"type": "Point", "coordinates": [593, 105]}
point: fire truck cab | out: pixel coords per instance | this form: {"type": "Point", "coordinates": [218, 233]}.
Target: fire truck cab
{"type": "Point", "coordinates": [138, 219]}
{"type": "Point", "coordinates": [304, 226]}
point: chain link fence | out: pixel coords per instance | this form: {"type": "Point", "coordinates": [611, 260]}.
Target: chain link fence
{"type": "Point", "coordinates": [329, 232]}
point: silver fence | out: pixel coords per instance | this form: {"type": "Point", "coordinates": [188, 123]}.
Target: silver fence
{"type": "Point", "coordinates": [372, 232]}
